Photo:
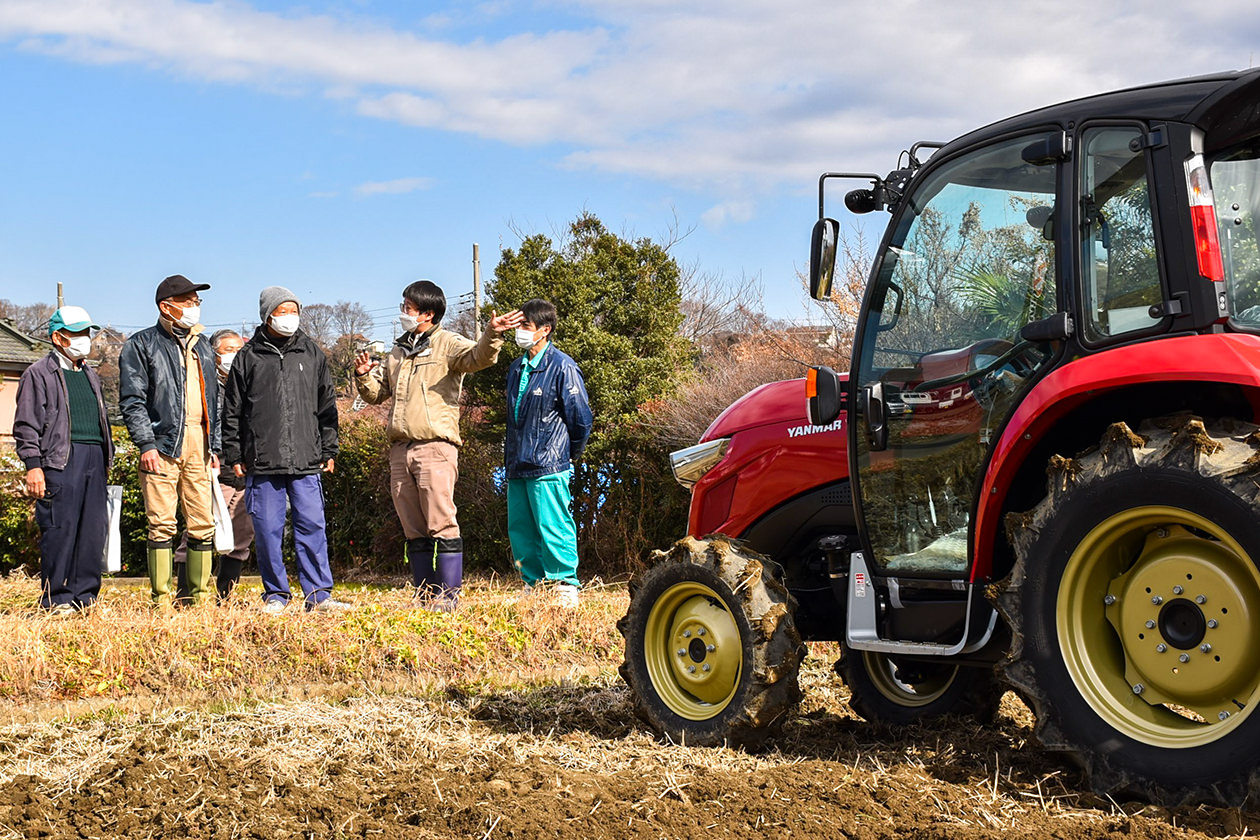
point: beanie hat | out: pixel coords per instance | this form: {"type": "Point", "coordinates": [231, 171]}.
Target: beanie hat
{"type": "Point", "coordinates": [273, 296]}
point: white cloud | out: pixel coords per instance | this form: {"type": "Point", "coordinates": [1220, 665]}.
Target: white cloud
{"type": "Point", "coordinates": [732, 98]}
{"type": "Point", "coordinates": [729, 211]}
{"type": "Point", "coordinates": [398, 186]}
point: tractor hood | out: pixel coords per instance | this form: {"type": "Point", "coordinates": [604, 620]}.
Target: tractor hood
{"type": "Point", "coordinates": [772, 403]}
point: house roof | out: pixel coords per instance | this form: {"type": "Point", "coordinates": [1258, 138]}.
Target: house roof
{"type": "Point", "coordinates": [18, 347]}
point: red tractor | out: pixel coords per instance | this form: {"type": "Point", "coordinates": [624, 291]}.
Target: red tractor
{"type": "Point", "coordinates": [1042, 471]}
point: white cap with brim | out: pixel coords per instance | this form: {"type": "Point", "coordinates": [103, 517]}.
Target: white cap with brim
{"type": "Point", "coordinates": [71, 319]}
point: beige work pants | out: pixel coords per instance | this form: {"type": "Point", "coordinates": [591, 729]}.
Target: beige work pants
{"type": "Point", "coordinates": [184, 480]}
{"type": "Point", "coordinates": [422, 482]}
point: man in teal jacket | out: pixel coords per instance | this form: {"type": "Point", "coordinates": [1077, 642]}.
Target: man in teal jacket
{"type": "Point", "coordinates": [549, 421]}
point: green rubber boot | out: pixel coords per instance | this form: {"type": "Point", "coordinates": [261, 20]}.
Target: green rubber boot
{"type": "Point", "coordinates": [200, 559]}
{"type": "Point", "coordinates": [160, 572]}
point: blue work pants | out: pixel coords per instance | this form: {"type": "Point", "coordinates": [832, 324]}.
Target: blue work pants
{"type": "Point", "coordinates": [265, 497]}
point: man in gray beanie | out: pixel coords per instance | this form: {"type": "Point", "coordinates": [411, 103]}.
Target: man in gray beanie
{"type": "Point", "coordinates": [280, 434]}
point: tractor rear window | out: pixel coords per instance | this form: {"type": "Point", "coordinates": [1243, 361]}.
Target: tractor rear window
{"type": "Point", "coordinates": [1236, 192]}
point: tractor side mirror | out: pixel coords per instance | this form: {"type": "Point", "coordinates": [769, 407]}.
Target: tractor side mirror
{"type": "Point", "coordinates": [822, 258]}
{"type": "Point", "coordinates": [826, 400]}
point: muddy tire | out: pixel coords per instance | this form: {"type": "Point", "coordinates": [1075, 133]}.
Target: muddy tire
{"type": "Point", "coordinates": [1135, 607]}
{"type": "Point", "coordinates": [712, 652]}
{"type": "Point", "coordinates": [883, 689]}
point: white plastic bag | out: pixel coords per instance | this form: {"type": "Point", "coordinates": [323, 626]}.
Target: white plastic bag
{"type": "Point", "coordinates": [224, 539]}
{"type": "Point", "coordinates": [111, 561]}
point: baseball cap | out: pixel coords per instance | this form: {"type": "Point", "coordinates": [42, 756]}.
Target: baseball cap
{"type": "Point", "coordinates": [175, 285]}
{"type": "Point", "coordinates": [71, 319]}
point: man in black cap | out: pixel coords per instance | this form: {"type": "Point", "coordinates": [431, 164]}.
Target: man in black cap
{"type": "Point", "coordinates": [170, 403]}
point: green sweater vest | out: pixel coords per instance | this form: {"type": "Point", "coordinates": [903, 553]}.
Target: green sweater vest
{"type": "Point", "coordinates": [85, 414]}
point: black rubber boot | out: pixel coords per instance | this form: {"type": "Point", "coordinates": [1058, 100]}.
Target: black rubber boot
{"type": "Point", "coordinates": [228, 576]}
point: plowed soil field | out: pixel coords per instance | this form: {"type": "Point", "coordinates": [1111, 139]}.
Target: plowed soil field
{"type": "Point", "coordinates": [566, 760]}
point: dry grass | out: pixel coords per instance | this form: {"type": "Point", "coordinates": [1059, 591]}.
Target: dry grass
{"type": "Point", "coordinates": [127, 649]}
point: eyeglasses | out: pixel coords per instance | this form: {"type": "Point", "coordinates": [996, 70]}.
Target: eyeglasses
{"type": "Point", "coordinates": [196, 301]}
{"type": "Point", "coordinates": [408, 309]}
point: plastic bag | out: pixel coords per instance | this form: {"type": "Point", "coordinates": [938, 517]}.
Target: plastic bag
{"type": "Point", "coordinates": [111, 560]}
{"type": "Point", "coordinates": [224, 539]}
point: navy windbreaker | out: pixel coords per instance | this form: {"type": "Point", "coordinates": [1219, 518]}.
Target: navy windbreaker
{"type": "Point", "coordinates": [551, 428]}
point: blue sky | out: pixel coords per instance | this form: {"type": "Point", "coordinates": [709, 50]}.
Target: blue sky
{"type": "Point", "coordinates": [344, 149]}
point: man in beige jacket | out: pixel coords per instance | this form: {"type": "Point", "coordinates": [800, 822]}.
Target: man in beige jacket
{"type": "Point", "coordinates": [424, 373]}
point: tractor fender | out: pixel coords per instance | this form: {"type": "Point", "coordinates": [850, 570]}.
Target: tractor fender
{"type": "Point", "coordinates": [1227, 358]}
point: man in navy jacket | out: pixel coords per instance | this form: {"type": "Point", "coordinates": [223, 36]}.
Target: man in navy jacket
{"type": "Point", "coordinates": [549, 421]}
{"type": "Point", "coordinates": [62, 437]}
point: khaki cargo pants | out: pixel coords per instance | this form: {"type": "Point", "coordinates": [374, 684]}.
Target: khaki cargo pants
{"type": "Point", "coordinates": [185, 480]}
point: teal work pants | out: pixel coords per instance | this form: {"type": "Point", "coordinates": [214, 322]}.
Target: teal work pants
{"type": "Point", "coordinates": [541, 529]}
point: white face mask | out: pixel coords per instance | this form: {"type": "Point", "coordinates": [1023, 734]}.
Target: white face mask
{"type": "Point", "coordinates": [79, 347]}
{"type": "Point", "coordinates": [225, 361]}
{"type": "Point", "coordinates": [189, 317]}
{"type": "Point", "coordinates": [285, 324]}
{"type": "Point", "coordinates": [409, 322]}
{"type": "Point", "coordinates": [527, 338]}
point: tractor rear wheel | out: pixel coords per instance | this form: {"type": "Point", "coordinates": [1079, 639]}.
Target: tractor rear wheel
{"type": "Point", "coordinates": [1135, 606]}
{"type": "Point", "coordinates": [887, 689]}
{"type": "Point", "coordinates": [712, 653]}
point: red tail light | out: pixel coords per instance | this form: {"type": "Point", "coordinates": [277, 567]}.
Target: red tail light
{"type": "Point", "coordinates": [1207, 244]}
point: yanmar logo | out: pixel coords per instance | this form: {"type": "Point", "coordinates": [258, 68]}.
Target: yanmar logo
{"type": "Point", "coordinates": [798, 431]}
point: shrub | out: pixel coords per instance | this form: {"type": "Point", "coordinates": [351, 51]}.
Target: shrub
{"type": "Point", "coordinates": [363, 530]}
{"type": "Point", "coordinates": [19, 535]}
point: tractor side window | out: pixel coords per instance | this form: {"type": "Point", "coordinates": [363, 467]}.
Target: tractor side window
{"type": "Point", "coordinates": [1119, 263]}
{"type": "Point", "coordinates": [1236, 190]}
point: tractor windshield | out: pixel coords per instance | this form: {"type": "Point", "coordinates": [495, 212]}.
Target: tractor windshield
{"type": "Point", "coordinates": [971, 261]}
{"type": "Point", "coordinates": [1236, 191]}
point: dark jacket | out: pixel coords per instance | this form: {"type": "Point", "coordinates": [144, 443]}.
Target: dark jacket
{"type": "Point", "coordinates": [227, 478]}
{"type": "Point", "coordinates": [151, 390]}
{"type": "Point", "coordinates": [554, 422]}
{"type": "Point", "coordinates": [41, 425]}
{"type": "Point", "coordinates": [281, 412]}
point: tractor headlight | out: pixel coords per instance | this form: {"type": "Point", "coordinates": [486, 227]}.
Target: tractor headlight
{"type": "Point", "coordinates": [693, 462]}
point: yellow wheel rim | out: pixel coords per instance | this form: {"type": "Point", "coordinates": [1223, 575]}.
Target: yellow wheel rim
{"type": "Point", "coordinates": [693, 651]}
{"type": "Point", "coordinates": [883, 674]}
{"type": "Point", "coordinates": [1157, 617]}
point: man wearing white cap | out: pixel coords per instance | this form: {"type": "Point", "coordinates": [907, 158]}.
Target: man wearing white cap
{"type": "Point", "coordinates": [62, 437]}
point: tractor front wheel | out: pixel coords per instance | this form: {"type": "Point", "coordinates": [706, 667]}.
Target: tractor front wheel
{"type": "Point", "coordinates": [1135, 602]}
{"type": "Point", "coordinates": [712, 653]}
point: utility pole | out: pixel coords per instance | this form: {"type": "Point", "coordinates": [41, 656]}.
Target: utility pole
{"type": "Point", "coordinates": [61, 300]}
{"type": "Point", "coordinates": [476, 292]}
